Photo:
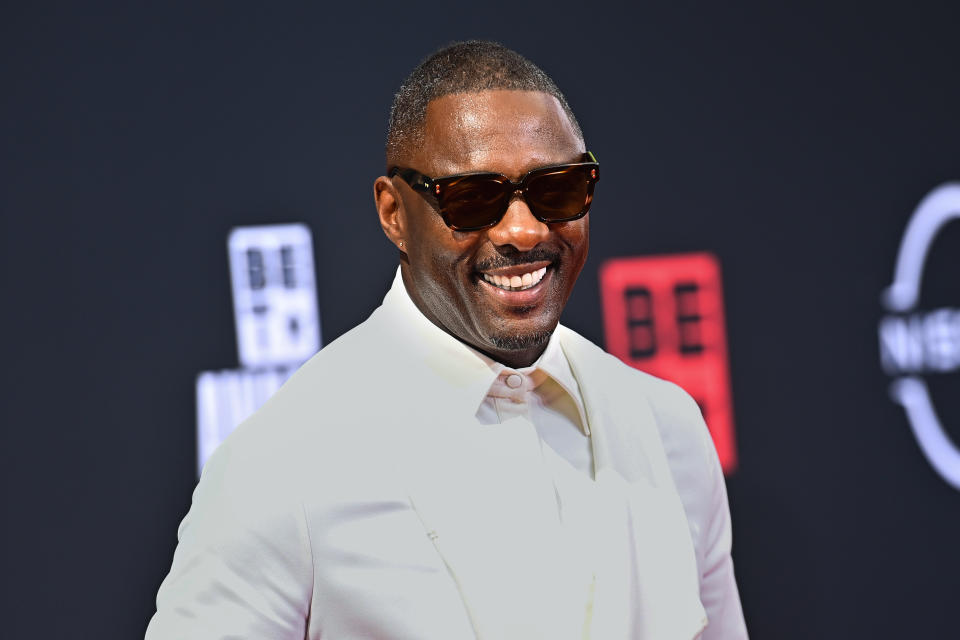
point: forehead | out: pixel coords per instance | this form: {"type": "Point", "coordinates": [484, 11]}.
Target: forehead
{"type": "Point", "coordinates": [508, 132]}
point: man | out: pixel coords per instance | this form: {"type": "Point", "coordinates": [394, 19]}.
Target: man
{"type": "Point", "coordinates": [460, 465]}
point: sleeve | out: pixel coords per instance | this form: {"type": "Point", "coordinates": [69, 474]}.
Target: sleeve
{"type": "Point", "coordinates": [699, 479]}
{"type": "Point", "coordinates": [242, 567]}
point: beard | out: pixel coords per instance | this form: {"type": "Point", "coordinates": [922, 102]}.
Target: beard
{"type": "Point", "coordinates": [521, 342]}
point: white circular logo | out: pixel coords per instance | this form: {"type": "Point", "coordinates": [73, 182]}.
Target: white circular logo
{"type": "Point", "coordinates": [914, 342]}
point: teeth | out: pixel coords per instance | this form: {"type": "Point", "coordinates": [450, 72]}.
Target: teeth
{"type": "Point", "coordinates": [516, 283]}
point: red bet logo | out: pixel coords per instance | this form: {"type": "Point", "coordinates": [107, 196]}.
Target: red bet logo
{"type": "Point", "coordinates": [664, 315]}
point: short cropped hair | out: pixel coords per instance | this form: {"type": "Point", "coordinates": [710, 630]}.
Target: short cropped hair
{"type": "Point", "coordinates": [461, 67]}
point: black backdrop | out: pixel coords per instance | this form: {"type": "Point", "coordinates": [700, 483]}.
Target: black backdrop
{"type": "Point", "coordinates": [791, 142]}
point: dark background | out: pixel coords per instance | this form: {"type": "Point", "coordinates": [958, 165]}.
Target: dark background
{"type": "Point", "coordinates": [793, 142]}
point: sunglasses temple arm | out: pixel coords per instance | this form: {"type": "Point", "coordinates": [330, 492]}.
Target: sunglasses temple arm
{"type": "Point", "coordinates": [414, 178]}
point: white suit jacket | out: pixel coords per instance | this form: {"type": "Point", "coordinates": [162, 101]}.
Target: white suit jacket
{"type": "Point", "coordinates": [348, 507]}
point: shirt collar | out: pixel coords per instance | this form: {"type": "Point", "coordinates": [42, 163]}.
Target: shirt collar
{"type": "Point", "coordinates": [552, 363]}
{"type": "Point", "coordinates": [469, 373]}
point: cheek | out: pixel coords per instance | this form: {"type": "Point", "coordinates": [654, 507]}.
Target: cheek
{"type": "Point", "coordinates": [428, 249]}
{"type": "Point", "coordinates": [444, 272]}
{"type": "Point", "coordinates": [577, 238]}
{"type": "Point", "coordinates": [447, 255]}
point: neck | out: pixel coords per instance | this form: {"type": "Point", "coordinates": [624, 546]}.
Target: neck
{"type": "Point", "coordinates": [515, 359]}
{"type": "Point", "coordinates": [515, 352]}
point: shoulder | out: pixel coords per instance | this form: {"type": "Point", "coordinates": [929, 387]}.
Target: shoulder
{"type": "Point", "coordinates": [312, 421]}
{"type": "Point", "coordinates": [683, 433]}
{"type": "Point", "coordinates": [668, 400]}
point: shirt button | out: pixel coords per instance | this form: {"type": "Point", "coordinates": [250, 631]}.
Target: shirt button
{"type": "Point", "coordinates": [514, 381]}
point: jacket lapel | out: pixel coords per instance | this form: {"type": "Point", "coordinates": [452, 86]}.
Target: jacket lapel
{"type": "Point", "coordinates": [633, 476]}
{"type": "Point", "coordinates": [622, 425]}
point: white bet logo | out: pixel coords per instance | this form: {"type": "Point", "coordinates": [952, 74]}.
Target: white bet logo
{"type": "Point", "coordinates": [274, 294]}
{"type": "Point", "coordinates": [278, 327]}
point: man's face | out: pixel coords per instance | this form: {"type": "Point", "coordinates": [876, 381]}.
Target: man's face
{"type": "Point", "coordinates": [447, 272]}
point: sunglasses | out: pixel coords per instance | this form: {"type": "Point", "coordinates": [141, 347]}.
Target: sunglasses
{"type": "Point", "coordinates": [474, 201]}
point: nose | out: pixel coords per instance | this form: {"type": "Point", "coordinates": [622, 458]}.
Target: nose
{"type": "Point", "coordinates": [519, 228]}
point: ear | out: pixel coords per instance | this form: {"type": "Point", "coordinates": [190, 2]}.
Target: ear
{"type": "Point", "coordinates": [390, 209]}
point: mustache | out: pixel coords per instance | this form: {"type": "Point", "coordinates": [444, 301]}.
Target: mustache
{"type": "Point", "coordinates": [516, 258]}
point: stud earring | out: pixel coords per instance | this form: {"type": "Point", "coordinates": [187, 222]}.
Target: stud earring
{"type": "Point", "coordinates": [401, 244]}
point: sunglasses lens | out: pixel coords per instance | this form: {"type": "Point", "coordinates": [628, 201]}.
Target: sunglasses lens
{"type": "Point", "coordinates": [474, 202]}
{"type": "Point", "coordinates": [560, 195]}
{"type": "Point", "coordinates": [555, 194]}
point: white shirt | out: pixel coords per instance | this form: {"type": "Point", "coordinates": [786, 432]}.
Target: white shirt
{"type": "Point", "coordinates": [546, 394]}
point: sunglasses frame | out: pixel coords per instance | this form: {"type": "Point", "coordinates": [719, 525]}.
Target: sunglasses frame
{"type": "Point", "coordinates": [436, 187]}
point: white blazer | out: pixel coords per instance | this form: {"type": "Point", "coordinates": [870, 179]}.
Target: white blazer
{"type": "Point", "coordinates": [350, 507]}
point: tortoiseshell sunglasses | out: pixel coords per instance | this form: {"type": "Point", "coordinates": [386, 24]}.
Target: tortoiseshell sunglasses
{"type": "Point", "coordinates": [474, 201]}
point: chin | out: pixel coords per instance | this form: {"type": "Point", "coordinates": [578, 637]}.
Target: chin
{"type": "Point", "coordinates": [520, 341]}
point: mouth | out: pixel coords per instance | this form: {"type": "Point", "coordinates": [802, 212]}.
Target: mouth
{"type": "Point", "coordinates": [516, 282]}
{"type": "Point", "coordinates": [520, 286]}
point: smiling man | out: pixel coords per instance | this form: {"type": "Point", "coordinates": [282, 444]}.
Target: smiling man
{"type": "Point", "coordinates": [460, 465]}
